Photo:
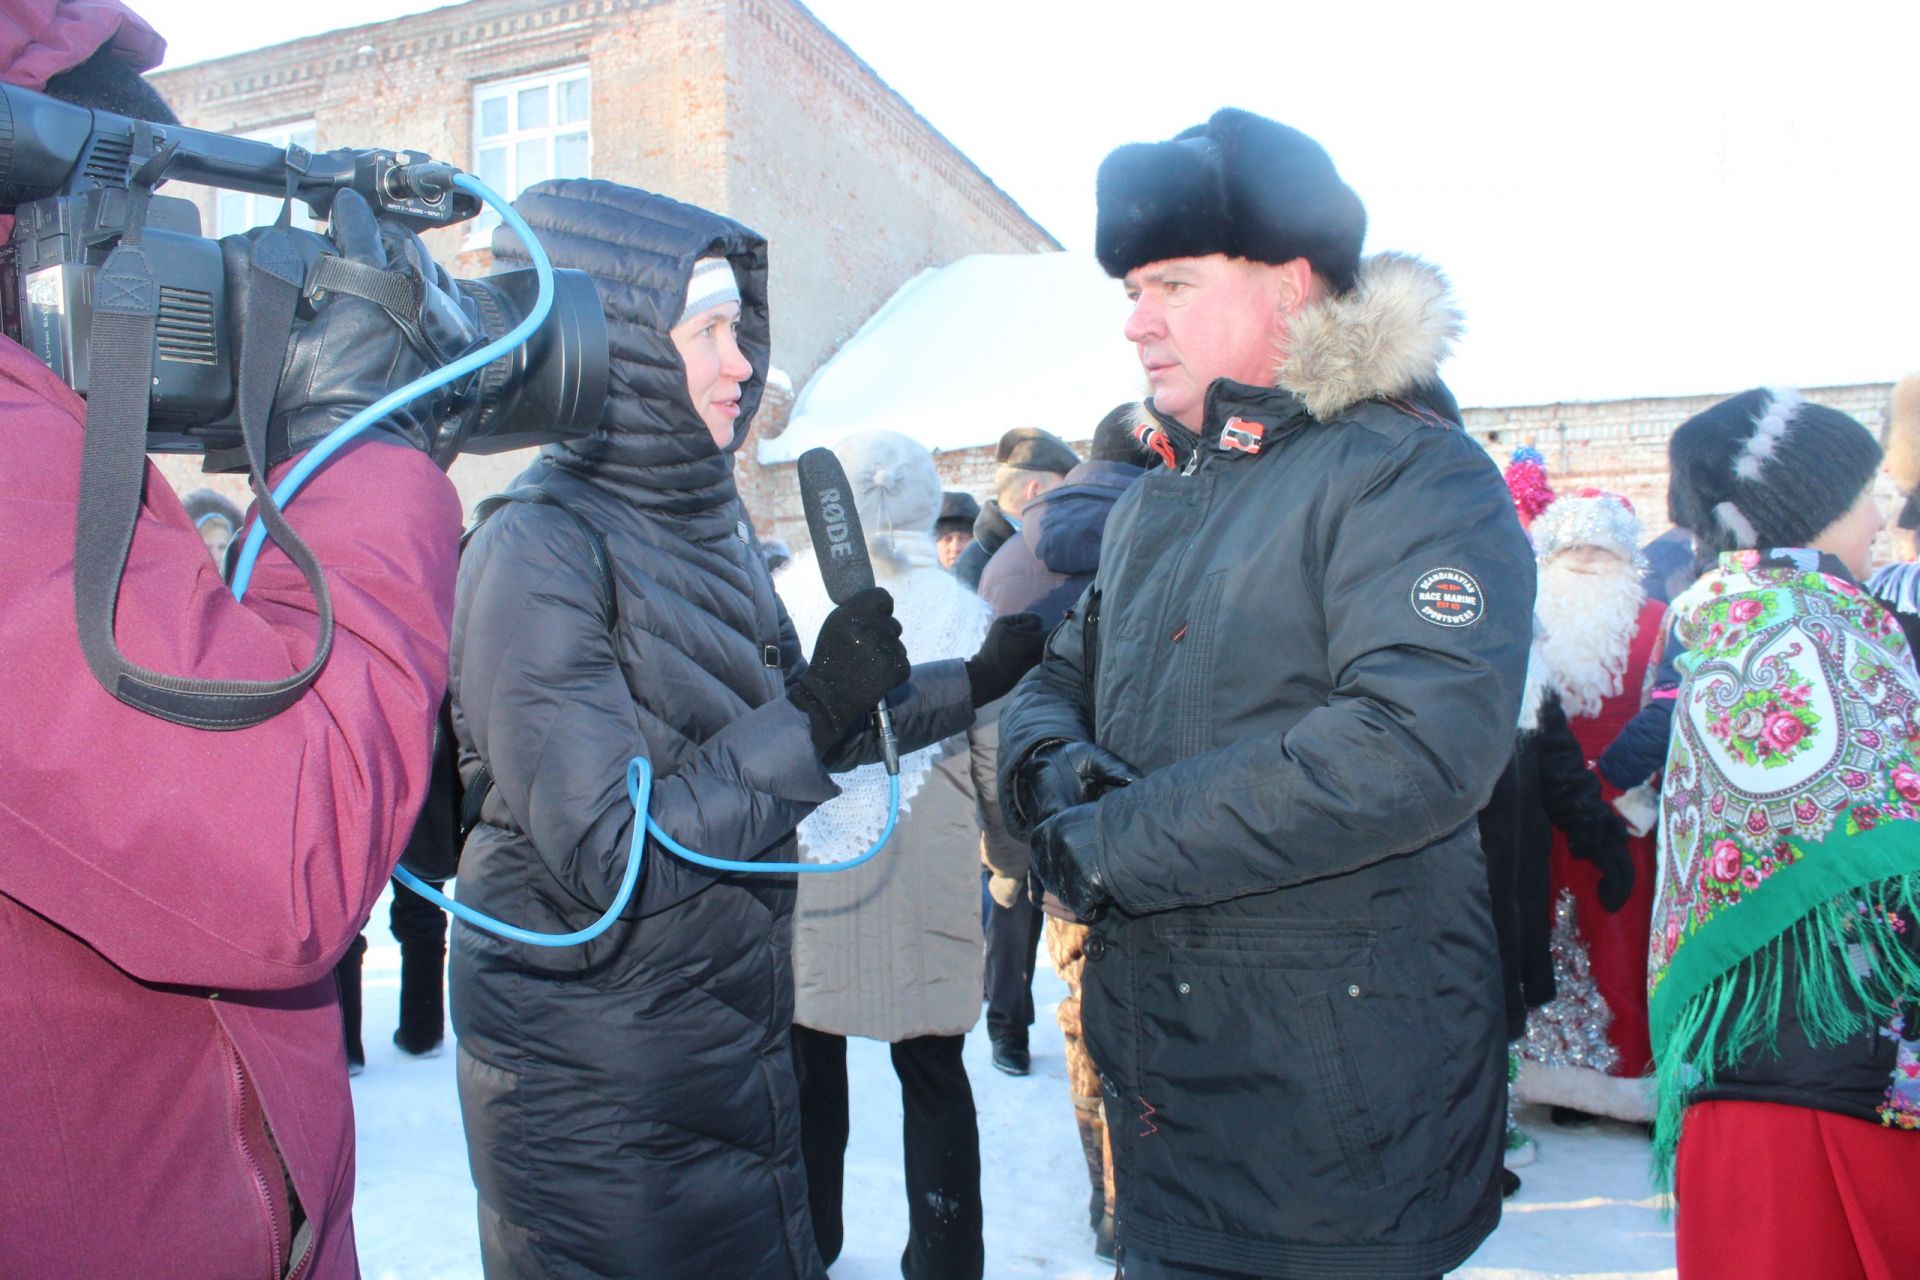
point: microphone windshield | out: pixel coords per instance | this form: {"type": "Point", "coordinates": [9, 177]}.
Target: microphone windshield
{"type": "Point", "coordinates": [834, 525]}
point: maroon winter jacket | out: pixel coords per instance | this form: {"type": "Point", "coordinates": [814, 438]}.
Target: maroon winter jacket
{"type": "Point", "coordinates": [172, 900]}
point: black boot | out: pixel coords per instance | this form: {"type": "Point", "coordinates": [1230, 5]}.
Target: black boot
{"type": "Point", "coordinates": [1010, 1054]}
{"type": "Point", "coordinates": [423, 1016]}
{"type": "Point", "coordinates": [421, 930]}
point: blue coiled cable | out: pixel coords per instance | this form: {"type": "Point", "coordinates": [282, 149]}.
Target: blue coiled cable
{"type": "Point", "coordinates": [639, 769]}
{"type": "Point", "coordinates": [639, 793]}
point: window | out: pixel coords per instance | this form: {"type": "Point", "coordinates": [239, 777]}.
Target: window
{"type": "Point", "coordinates": [237, 211]}
{"type": "Point", "coordinates": [530, 129]}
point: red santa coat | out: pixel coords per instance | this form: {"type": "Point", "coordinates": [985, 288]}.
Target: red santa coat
{"type": "Point", "coordinates": [172, 901]}
{"type": "Point", "coordinates": [1617, 941]}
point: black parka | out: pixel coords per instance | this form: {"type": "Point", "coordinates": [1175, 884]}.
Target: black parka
{"type": "Point", "coordinates": [630, 1103]}
{"type": "Point", "coordinates": [1315, 653]}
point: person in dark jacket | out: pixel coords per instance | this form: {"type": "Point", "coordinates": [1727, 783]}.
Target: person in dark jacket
{"type": "Point", "coordinates": [1292, 686]}
{"type": "Point", "coordinates": [630, 1103]}
{"type": "Point", "coordinates": [1045, 567]}
{"type": "Point", "coordinates": [1050, 559]}
{"type": "Point", "coordinates": [1546, 785]}
{"type": "Point", "coordinates": [1671, 566]}
{"type": "Point", "coordinates": [1027, 463]}
{"type": "Point", "coordinates": [1063, 522]}
{"type": "Point", "coordinates": [953, 531]}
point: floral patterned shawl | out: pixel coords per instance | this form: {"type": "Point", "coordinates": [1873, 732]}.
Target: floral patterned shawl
{"type": "Point", "coordinates": [1788, 820]}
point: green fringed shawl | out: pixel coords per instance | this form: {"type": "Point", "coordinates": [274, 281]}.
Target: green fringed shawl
{"type": "Point", "coordinates": [1789, 823]}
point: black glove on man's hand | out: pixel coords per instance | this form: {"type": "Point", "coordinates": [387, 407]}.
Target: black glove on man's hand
{"type": "Point", "coordinates": [1608, 851]}
{"type": "Point", "coordinates": [349, 351]}
{"type": "Point", "coordinates": [1067, 860]}
{"type": "Point", "coordinates": [857, 660]}
{"type": "Point", "coordinates": [1616, 877]}
{"type": "Point", "coordinates": [1059, 775]}
{"type": "Point", "coordinates": [1012, 647]}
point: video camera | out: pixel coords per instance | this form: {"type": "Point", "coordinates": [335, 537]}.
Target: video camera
{"type": "Point", "coordinates": [116, 289]}
{"type": "Point", "coordinates": [71, 174]}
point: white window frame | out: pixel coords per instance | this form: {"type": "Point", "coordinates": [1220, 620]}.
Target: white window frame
{"type": "Point", "coordinates": [258, 210]}
{"type": "Point", "coordinates": [497, 155]}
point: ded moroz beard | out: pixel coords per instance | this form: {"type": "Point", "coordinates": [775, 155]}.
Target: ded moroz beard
{"type": "Point", "coordinates": [1589, 620]}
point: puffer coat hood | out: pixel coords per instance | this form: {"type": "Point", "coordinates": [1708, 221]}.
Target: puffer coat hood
{"type": "Point", "coordinates": [640, 249]}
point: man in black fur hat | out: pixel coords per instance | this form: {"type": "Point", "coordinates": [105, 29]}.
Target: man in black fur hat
{"type": "Point", "coordinates": [1254, 753]}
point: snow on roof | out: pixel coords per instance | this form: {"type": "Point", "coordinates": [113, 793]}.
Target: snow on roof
{"type": "Point", "coordinates": [965, 352]}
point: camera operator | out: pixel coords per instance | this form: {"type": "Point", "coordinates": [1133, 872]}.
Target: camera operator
{"type": "Point", "coordinates": [173, 900]}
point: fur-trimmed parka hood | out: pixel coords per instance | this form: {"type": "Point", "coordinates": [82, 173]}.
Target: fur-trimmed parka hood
{"type": "Point", "coordinates": [1385, 336]}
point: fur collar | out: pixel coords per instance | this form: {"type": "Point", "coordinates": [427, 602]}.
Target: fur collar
{"type": "Point", "coordinates": [1384, 337]}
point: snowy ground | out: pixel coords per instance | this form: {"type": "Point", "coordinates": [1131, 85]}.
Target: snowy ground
{"type": "Point", "coordinates": [1584, 1210]}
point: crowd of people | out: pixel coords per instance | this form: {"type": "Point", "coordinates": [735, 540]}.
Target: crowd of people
{"type": "Point", "coordinates": [1355, 788]}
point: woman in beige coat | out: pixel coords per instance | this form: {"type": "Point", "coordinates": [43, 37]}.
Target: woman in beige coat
{"type": "Point", "coordinates": [891, 950]}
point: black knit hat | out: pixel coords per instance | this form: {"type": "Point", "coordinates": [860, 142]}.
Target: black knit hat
{"type": "Point", "coordinates": [1766, 469]}
{"type": "Point", "coordinates": [958, 511]}
{"type": "Point", "coordinates": [1241, 185]}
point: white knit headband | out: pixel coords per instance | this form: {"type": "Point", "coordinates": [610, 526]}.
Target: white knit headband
{"type": "Point", "coordinates": [712, 283]}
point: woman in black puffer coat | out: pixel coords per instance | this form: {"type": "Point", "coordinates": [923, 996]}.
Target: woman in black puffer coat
{"type": "Point", "coordinates": [630, 1103]}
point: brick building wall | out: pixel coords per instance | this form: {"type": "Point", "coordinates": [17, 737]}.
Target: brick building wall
{"type": "Point", "coordinates": [1621, 445]}
{"type": "Point", "coordinates": [749, 107]}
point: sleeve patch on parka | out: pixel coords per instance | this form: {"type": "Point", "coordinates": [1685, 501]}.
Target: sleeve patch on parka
{"type": "Point", "coordinates": [1448, 597]}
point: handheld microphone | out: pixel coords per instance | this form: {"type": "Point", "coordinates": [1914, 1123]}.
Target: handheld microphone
{"type": "Point", "coordinates": [841, 550]}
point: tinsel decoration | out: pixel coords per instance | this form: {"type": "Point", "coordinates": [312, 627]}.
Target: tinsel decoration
{"type": "Point", "coordinates": [1527, 481]}
{"type": "Point", "coordinates": [1570, 1030]}
{"type": "Point", "coordinates": [1520, 1145]}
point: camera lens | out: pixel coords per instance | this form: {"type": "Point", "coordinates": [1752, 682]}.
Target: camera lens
{"type": "Point", "coordinates": [554, 386]}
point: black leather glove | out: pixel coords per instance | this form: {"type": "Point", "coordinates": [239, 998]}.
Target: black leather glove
{"type": "Point", "coordinates": [347, 351]}
{"type": "Point", "coordinates": [446, 327]}
{"type": "Point", "coordinates": [1059, 775]}
{"type": "Point", "coordinates": [857, 660]}
{"type": "Point", "coordinates": [1067, 860]}
{"type": "Point", "coordinates": [1013, 646]}
{"type": "Point", "coordinates": [1607, 850]}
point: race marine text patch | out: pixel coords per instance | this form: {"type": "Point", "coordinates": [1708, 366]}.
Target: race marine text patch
{"type": "Point", "coordinates": [1448, 598]}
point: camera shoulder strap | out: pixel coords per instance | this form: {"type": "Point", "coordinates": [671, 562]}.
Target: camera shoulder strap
{"type": "Point", "coordinates": [126, 307]}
